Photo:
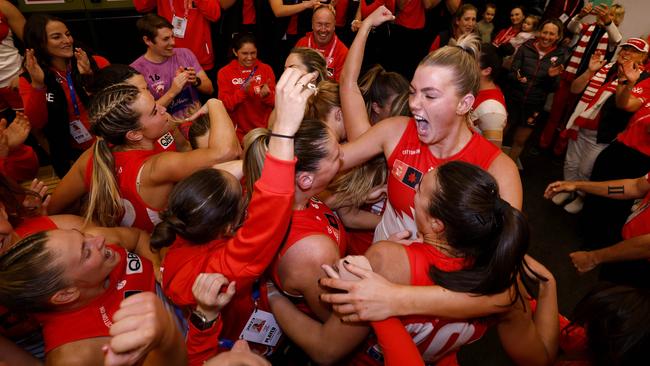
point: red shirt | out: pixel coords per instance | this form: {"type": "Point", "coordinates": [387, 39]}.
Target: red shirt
{"type": "Point", "coordinates": [408, 163]}
{"type": "Point", "coordinates": [637, 133]}
{"type": "Point", "coordinates": [200, 14]}
{"type": "Point", "coordinates": [412, 15]}
{"type": "Point", "coordinates": [315, 219]}
{"type": "Point", "coordinates": [334, 52]}
{"type": "Point", "coordinates": [131, 275]}
{"type": "Point", "coordinates": [243, 257]}
{"type": "Point", "coordinates": [128, 164]}
{"type": "Point", "coordinates": [247, 109]}
{"type": "Point", "coordinates": [504, 36]}
{"type": "Point", "coordinates": [35, 103]}
{"type": "Point", "coordinates": [249, 15]}
{"type": "Point", "coordinates": [341, 9]}
{"type": "Point", "coordinates": [20, 165]}
{"type": "Point", "coordinates": [368, 9]}
{"type": "Point", "coordinates": [438, 339]}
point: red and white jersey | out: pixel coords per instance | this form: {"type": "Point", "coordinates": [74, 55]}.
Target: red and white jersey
{"type": "Point", "coordinates": [408, 163]}
{"type": "Point", "coordinates": [131, 275]}
{"type": "Point", "coordinates": [436, 338]}
{"type": "Point", "coordinates": [128, 165]}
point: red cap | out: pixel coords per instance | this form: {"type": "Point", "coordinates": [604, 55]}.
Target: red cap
{"type": "Point", "coordinates": [638, 43]}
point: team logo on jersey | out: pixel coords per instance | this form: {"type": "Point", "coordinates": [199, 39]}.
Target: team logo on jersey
{"type": "Point", "coordinates": [121, 284]}
{"type": "Point", "coordinates": [406, 174]}
{"type": "Point", "coordinates": [133, 264]}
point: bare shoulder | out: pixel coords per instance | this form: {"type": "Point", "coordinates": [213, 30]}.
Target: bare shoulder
{"type": "Point", "coordinates": [304, 259]}
{"type": "Point", "coordinates": [83, 353]}
{"type": "Point", "coordinates": [390, 260]}
{"type": "Point", "coordinates": [68, 222]}
{"type": "Point", "coordinates": [505, 172]}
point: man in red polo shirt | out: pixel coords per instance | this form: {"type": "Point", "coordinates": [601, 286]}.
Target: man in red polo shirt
{"type": "Point", "coordinates": [324, 40]}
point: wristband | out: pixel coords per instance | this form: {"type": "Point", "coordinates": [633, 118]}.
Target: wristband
{"type": "Point", "coordinates": [271, 134]}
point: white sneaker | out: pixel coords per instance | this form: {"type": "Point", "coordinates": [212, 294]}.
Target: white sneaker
{"type": "Point", "coordinates": [575, 206]}
{"type": "Point", "coordinates": [561, 198]}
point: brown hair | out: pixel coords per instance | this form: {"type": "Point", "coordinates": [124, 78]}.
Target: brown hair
{"type": "Point", "coordinates": [149, 24]}
{"type": "Point", "coordinates": [320, 104]}
{"type": "Point", "coordinates": [313, 61]}
{"type": "Point", "coordinates": [29, 275]}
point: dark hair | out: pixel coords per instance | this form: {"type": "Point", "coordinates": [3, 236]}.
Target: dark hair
{"type": "Point", "coordinates": [378, 85]}
{"type": "Point", "coordinates": [308, 146]}
{"type": "Point", "coordinates": [111, 75]}
{"type": "Point", "coordinates": [202, 207]}
{"type": "Point", "coordinates": [490, 5]}
{"type": "Point", "coordinates": [463, 9]}
{"type": "Point", "coordinates": [199, 127]}
{"type": "Point", "coordinates": [490, 58]}
{"type": "Point", "coordinates": [239, 39]}
{"type": "Point", "coordinates": [35, 36]}
{"type": "Point", "coordinates": [29, 275]}
{"type": "Point", "coordinates": [482, 226]}
{"type": "Point", "coordinates": [560, 27]}
{"type": "Point", "coordinates": [149, 24]}
{"type": "Point", "coordinates": [12, 196]}
{"type": "Point", "coordinates": [616, 319]}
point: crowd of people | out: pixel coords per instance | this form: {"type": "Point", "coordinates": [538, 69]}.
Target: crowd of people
{"type": "Point", "coordinates": [341, 186]}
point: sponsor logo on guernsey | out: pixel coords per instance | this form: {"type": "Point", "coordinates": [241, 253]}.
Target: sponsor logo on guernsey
{"type": "Point", "coordinates": [406, 174]}
{"type": "Point", "coordinates": [133, 264]}
{"type": "Point", "coordinates": [166, 140]}
{"type": "Point", "coordinates": [411, 152]}
{"type": "Point", "coordinates": [107, 322]}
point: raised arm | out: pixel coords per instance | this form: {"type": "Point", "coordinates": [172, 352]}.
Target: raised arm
{"type": "Point", "coordinates": [381, 138]}
{"type": "Point", "coordinates": [269, 211]}
{"type": "Point", "coordinates": [355, 115]}
{"type": "Point", "coordinates": [14, 17]}
{"type": "Point", "coordinates": [625, 98]}
{"type": "Point", "coordinates": [596, 61]}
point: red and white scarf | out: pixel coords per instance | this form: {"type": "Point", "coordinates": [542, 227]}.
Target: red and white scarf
{"type": "Point", "coordinates": [579, 51]}
{"type": "Point", "coordinates": [594, 96]}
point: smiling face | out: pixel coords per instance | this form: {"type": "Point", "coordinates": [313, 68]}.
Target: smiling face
{"type": "Point", "coordinates": [516, 16]}
{"type": "Point", "coordinates": [434, 102]}
{"type": "Point", "coordinates": [59, 41]}
{"type": "Point", "coordinates": [630, 54]}
{"type": "Point", "coordinates": [154, 119]}
{"type": "Point", "coordinates": [548, 36]}
{"type": "Point", "coordinates": [246, 55]}
{"type": "Point", "coordinates": [163, 44]}
{"type": "Point", "coordinates": [467, 22]}
{"type": "Point", "coordinates": [86, 259]}
{"type": "Point", "coordinates": [322, 23]}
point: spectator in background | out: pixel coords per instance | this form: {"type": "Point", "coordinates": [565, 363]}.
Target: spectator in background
{"type": "Point", "coordinates": [485, 26]}
{"type": "Point", "coordinates": [323, 39]}
{"type": "Point", "coordinates": [489, 110]}
{"type": "Point", "coordinates": [516, 19]}
{"type": "Point", "coordinates": [601, 36]}
{"type": "Point", "coordinates": [54, 88]}
{"type": "Point", "coordinates": [174, 75]}
{"type": "Point", "coordinates": [535, 68]}
{"type": "Point", "coordinates": [464, 22]}
{"type": "Point", "coordinates": [247, 87]}
{"type": "Point", "coordinates": [12, 23]}
{"type": "Point", "coordinates": [191, 24]}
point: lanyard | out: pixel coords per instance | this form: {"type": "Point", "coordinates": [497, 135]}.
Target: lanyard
{"type": "Point", "coordinates": [566, 3]}
{"type": "Point", "coordinates": [185, 5]}
{"type": "Point", "coordinates": [73, 95]}
{"type": "Point", "coordinates": [255, 295]}
{"type": "Point", "coordinates": [248, 77]}
{"type": "Point", "coordinates": [329, 57]}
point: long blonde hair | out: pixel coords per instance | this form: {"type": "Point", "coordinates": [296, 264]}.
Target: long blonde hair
{"type": "Point", "coordinates": [111, 117]}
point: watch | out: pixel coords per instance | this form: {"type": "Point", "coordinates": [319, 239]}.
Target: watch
{"type": "Point", "coordinates": [200, 321]}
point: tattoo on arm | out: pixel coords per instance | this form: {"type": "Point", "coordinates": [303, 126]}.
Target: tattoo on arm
{"type": "Point", "coordinates": [615, 189]}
